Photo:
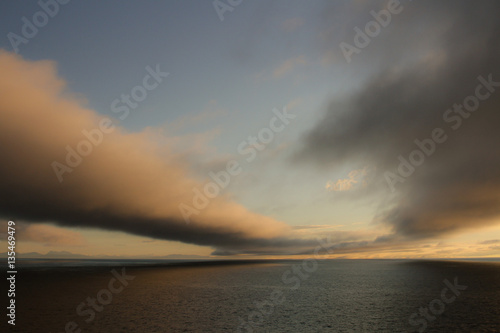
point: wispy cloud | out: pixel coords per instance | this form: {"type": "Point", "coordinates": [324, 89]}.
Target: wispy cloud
{"type": "Point", "coordinates": [355, 178]}
{"type": "Point", "coordinates": [489, 242]}
{"type": "Point", "coordinates": [211, 111]}
{"type": "Point", "coordinates": [292, 24]}
{"type": "Point", "coordinates": [288, 66]}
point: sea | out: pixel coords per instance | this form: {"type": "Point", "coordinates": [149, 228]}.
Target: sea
{"type": "Point", "coordinates": [306, 295]}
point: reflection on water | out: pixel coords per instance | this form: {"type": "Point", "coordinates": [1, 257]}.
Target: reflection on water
{"type": "Point", "coordinates": [339, 296]}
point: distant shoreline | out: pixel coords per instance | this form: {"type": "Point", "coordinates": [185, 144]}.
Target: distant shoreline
{"type": "Point", "coordinates": [35, 264]}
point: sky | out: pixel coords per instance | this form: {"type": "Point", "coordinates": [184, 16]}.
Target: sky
{"type": "Point", "coordinates": [251, 129]}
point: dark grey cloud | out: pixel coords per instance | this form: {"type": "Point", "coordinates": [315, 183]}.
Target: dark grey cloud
{"type": "Point", "coordinates": [425, 61]}
{"type": "Point", "coordinates": [488, 242]}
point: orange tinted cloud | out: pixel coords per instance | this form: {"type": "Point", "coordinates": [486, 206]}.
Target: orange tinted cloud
{"type": "Point", "coordinates": [45, 234]}
{"type": "Point", "coordinates": [130, 182]}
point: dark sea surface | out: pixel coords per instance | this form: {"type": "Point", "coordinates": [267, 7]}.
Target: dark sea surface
{"type": "Point", "coordinates": [256, 296]}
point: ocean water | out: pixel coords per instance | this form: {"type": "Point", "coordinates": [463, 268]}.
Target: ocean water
{"type": "Point", "coordinates": [257, 296]}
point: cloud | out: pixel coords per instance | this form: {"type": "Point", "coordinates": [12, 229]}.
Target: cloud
{"type": "Point", "coordinates": [210, 112]}
{"type": "Point", "coordinates": [292, 24]}
{"type": "Point", "coordinates": [47, 234]}
{"type": "Point", "coordinates": [410, 82]}
{"type": "Point", "coordinates": [488, 242]}
{"type": "Point", "coordinates": [131, 182]}
{"type": "Point", "coordinates": [288, 66]}
{"type": "Point", "coordinates": [354, 179]}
